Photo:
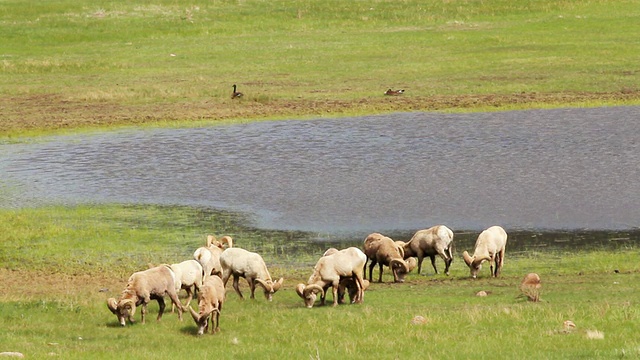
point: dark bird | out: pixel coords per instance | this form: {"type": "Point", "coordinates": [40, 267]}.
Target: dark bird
{"type": "Point", "coordinates": [394, 92]}
{"type": "Point", "coordinates": [235, 94]}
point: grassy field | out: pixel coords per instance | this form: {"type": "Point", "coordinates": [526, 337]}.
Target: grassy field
{"type": "Point", "coordinates": [60, 265]}
{"type": "Point", "coordinates": [73, 64]}
{"type": "Point", "coordinates": [70, 65]}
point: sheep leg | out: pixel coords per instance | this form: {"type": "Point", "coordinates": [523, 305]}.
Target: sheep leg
{"type": "Point", "coordinates": [143, 312]}
{"type": "Point", "coordinates": [252, 286]}
{"type": "Point", "coordinates": [175, 302]}
{"type": "Point", "coordinates": [380, 275]}
{"type": "Point", "coordinates": [420, 258]}
{"type": "Point", "coordinates": [433, 263]}
{"type": "Point", "coordinates": [371, 266]}
{"type": "Point", "coordinates": [161, 305]}
{"type": "Point", "coordinates": [335, 295]}
{"type": "Point", "coordinates": [190, 293]}
{"type": "Point", "coordinates": [236, 285]}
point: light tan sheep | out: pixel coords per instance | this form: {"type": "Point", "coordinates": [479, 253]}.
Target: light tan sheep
{"type": "Point", "coordinates": [142, 287]}
{"type": "Point", "coordinates": [329, 271]}
{"type": "Point", "coordinates": [189, 276]}
{"type": "Point", "coordinates": [209, 255]}
{"type": "Point", "coordinates": [384, 251]}
{"type": "Point", "coordinates": [490, 246]}
{"type": "Point", "coordinates": [210, 300]}
{"type": "Point", "coordinates": [249, 265]}
{"type": "Point", "coordinates": [436, 240]}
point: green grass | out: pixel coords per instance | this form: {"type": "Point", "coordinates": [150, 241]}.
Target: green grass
{"type": "Point", "coordinates": [69, 254]}
{"type": "Point", "coordinates": [76, 63]}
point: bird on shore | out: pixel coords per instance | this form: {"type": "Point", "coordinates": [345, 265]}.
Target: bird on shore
{"type": "Point", "coordinates": [394, 92]}
{"type": "Point", "coordinates": [235, 94]}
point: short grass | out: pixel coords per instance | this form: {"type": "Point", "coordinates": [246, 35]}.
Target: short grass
{"type": "Point", "coordinates": [60, 264]}
{"type": "Point", "coordinates": [82, 64]}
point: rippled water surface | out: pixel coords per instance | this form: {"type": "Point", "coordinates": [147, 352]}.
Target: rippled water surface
{"type": "Point", "coordinates": [542, 169]}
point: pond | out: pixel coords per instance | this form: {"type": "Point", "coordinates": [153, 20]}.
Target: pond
{"type": "Point", "coordinates": [562, 169]}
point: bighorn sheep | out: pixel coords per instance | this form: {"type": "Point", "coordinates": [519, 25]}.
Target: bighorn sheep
{"type": "Point", "coordinates": [242, 263]}
{"type": "Point", "coordinates": [209, 256]}
{"type": "Point", "coordinates": [384, 251]}
{"type": "Point", "coordinates": [210, 300]}
{"type": "Point", "coordinates": [490, 246]}
{"type": "Point", "coordinates": [142, 287]}
{"type": "Point", "coordinates": [349, 285]}
{"type": "Point", "coordinates": [329, 271]}
{"type": "Point", "coordinates": [189, 276]}
{"type": "Point", "coordinates": [436, 240]}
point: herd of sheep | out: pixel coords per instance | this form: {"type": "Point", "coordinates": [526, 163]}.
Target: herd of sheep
{"type": "Point", "coordinates": [342, 271]}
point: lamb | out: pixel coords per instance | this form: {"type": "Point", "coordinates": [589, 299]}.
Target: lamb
{"type": "Point", "coordinates": [349, 285]}
{"type": "Point", "coordinates": [142, 287]}
{"type": "Point", "coordinates": [210, 300]}
{"type": "Point", "coordinates": [329, 271]}
{"type": "Point", "coordinates": [384, 251]}
{"type": "Point", "coordinates": [189, 275]}
{"type": "Point", "coordinates": [209, 256]}
{"type": "Point", "coordinates": [249, 265]}
{"type": "Point", "coordinates": [436, 240]}
{"type": "Point", "coordinates": [490, 246]}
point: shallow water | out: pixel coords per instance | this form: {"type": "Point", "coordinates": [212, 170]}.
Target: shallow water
{"type": "Point", "coordinates": [540, 169]}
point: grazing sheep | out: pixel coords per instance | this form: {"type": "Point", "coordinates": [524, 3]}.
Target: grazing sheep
{"type": "Point", "coordinates": [329, 271]}
{"type": "Point", "coordinates": [210, 300]}
{"type": "Point", "coordinates": [530, 287]}
{"type": "Point", "coordinates": [142, 287]}
{"type": "Point", "coordinates": [189, 276]}
{"type": "Point", "coordinates": [384, 251]}
{"type": "Point", "coordinates": [209, 256]}
{"type": "Point", "coordinates": [436, 240]}
{"type": "Point", "coordinates": [242, 263]}
{"type": "Point", "coordinates": [490, 246]}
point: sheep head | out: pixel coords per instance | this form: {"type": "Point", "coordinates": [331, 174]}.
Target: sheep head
{"type": "Point", "coordinates": [399, 268]}
{"type": "Point", "coordinates": [412, 263]}
{"type": "Point", "coordinates": [202, 320]}
{"type": "Point", "coordinates": [123, 309]}
{"type": "Point", "coordinates": [309, 293]}
{"type": "Point", "coordinates": [474, 264]}
{"type": "Point", "coordinates": [270, 287]}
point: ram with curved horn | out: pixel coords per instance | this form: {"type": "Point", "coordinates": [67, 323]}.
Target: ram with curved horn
{"type": "Point", "coordinates": [210, 300]}
{"type": "Point", "coordinates": [436, 240]}
{"type": "Point", "coordinates": [329, 271]}
{"type": "Point", "coordinates": [383, 250]}
{"type": "Point", "coordinates": [490, 246]}
{"type": "Point", "coordinates": [142, 287]}
{"type": "Point", "coordinates": [249, 265]}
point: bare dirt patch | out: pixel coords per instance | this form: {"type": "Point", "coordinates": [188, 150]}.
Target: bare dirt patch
{"type": "Point", "coordinates": [53, 112]}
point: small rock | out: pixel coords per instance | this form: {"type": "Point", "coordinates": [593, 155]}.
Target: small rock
{"type": "Point", "coordinates": [418, 320]}
{"type": "Point", "coordinates": [12, 354]}
{"type": "Point", "coordinates": [569, 325]}
{"type": "Point", "coordinates": [481, 293]}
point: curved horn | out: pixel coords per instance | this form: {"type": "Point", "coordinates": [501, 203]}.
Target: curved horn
{"type": "Point", "coordinates": [278, 284]}
{"type": "Point", "coordinates": [412, 263]}
{"type": "Point", "coordinates": [112, 304]}
{"type": "Point", "coordinates": [210, 240]}
{"type": "Point", "coordinates": [467, 259]}
{"type": "Point", "coordinates": [477, 262]}
{"type": "Point", "coordinates": [395, 263]}
{"type": "Point", "coordinates": [194, 315]}
{"type": "Point", "coordinates": [300, 290]}
{"type": "Point", "coordinates": [314, 287]}
{"type": "Point", "coordinates": [227, 239]}
{"type": "Point", "coordinates": [267, 286]}
{"type": "Point", "coordinates": [130, 303]}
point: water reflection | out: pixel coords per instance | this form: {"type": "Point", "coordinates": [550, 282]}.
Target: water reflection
{"type": "Point", "coordinates": [542, 169]}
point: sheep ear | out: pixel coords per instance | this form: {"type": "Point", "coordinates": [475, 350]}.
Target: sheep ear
{"type": "Point", "coordinates": [467, 259]}
{"type": "Point", "coordinates": [300, 290]}
{"type": "Point", "coordinates": [278, 284]}
{"type": "Point", "coordinates": [112, 305]}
